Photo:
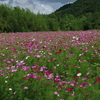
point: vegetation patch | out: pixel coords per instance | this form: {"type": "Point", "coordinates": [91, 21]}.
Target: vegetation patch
{"type": "Point", "coordinates": [50, 65]}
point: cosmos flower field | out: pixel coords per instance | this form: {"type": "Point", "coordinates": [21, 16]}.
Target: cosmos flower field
{"type": "Point", "coordinates": [50, 65]}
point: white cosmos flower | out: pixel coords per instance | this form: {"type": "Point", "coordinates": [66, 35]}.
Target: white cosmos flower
{"type": "Point", "coordinates": [92, 46]}
{"type": "Point", "coordinates": [10, 88]}
{"type": "Point", "coordinates": [38, 56]}
{"type": "Point", "coordinates": [17, 61]}
{"type": "Point", "coordinates": [57, 65]}
{"type": "Point", "coordinates": [79, 74]}
{"type": "Point", "coordinates": [50, 53]}
{"type": "Point", "coordinates": [5, 81]}
{"type": "Point", "coordinates": [73, 40]}
{"type": "Point", "coordinates": [3, 54]}
{"type": "Point", "coordinates": [27, 57]}
{"type": "Point", "coordinates": [33, 39]}
{"type": "Point", "coordinates": [40, 41]}
{"type": "Point", "coordinates": [75, 37]}
{"type": "Point", "coordinates": [80, 54]}
{"type": "Point", "coordinates": [6, 77]}
{"type": "Point", "coordinates": [83, 43]}
{"type": "Point", "coordinates": [21, 61]}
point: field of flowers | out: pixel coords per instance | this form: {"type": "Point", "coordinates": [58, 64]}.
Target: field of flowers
{"type": "Point", "coordinates": [50, 65]}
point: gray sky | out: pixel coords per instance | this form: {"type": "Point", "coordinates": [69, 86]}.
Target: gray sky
{"type": "Point", "coordinates": [42, 6]}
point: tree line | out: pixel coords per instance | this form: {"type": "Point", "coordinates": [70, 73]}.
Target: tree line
{"type": "Point", "coordinates": [16, 19]}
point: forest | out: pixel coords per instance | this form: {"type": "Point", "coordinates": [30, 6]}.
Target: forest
{"type": "Point", "coordinates": [80, 15]}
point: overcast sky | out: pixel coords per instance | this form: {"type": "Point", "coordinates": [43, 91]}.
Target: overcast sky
{"type": "Point", "coordinates": [42, 6]}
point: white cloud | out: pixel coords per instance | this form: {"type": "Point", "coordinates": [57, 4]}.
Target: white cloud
{"type": "Point", "coordinates": [61, 1]}
{"type": "Point", "coordinates": [42, 6]}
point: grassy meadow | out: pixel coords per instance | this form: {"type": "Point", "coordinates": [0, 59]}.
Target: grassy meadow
{"type": "Point", "coordinates": [62, 65]}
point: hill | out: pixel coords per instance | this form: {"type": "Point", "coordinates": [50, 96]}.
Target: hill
{"type": "Point", "coordinates": [63, 7]}
{"type": "Point", "coordinates": [79, 8]}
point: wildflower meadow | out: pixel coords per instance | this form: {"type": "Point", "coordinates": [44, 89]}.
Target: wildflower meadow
{"type": "Point", "coordinates": [63, 65]}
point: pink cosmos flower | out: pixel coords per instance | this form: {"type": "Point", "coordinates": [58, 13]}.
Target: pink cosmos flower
{"type": "Point", "coordinates": [21, 64]}
{"type": "Point", "coordinates": [45, 75]}
{"type": "Point", "coordinates": [87, 73]}
{"type": "Point", "coordinates": [47, 72]}
{"type": "Point", "coordinates": [34, 67]}
{"type": "Point", "coordinates": [73, 84]}
{"type": "Point", "coordinates": [69, 89]}
{"type": "Point", "coordinates": [85, 78]}
{"type": "Point", "coordinates": [1, 70]}
{"type": "Point", "coordinates": [50, 76]}
{"type": "Point", "coordinates": [86, 51]}
{"type": "Point", "coordinates": [25, 87]}
{"type": "Point", "coordinates": [62, 82]}
{"type": "Point", "coordinates": [57, 79]}
{"type": "Point", "coordinates": [21, 83]}
{"type": "Point", "coordinates": [76, 77]}
{"type": "Point", "coordinates": [87, 95]}
{"type": "Point", "coordinates": [56, 93]}
{"type": "Point", "coordinates": [24, 78]}
{"type": "Point", "coordinates": [69, 82]}
{"type": "Point", "coordinates": [58, 51]}
{"type": "Point", "coordinates": [35, 49]}
{"type": "Point", "coordinates": [84, 83]}
{"type": "Point", "coordinates": [9, 88]}
{"type": "Point", "coordinates": [14, 70]}
{"type": "Point", "coordinates": [58, 86]}
{"type": "Point", "coordinates": [36, 64]}
{"type": "Point", "coordinates": [5, 60]}
{"type": "Point", "coordinates": [25, 68]}
{"type": "Point", "coordinates": [14, 92]}
{"type": "Point", "coordinates": [13, 49]}
{"type": "Point", "coordinates": [73, 93]}
{"type": "Point", "coordinates": [8, 62]}
{"type": "Point", "coordinates": [42, 68]}
{"type": "Point", "coordinates": [32, 76]}
{"type": "Point", "coordinates": [97, 80]}
{"type": "Point", "coordinates": [12, 59]}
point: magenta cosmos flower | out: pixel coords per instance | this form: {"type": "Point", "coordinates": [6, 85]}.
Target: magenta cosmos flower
{"type": "Point", "coordinates": [97, 80]}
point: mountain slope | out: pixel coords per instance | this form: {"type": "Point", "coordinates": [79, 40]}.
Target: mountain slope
{"type": "Point", "coordinates": [79, 8]}
{"type": "Point", "coordinates": [63, 7]}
